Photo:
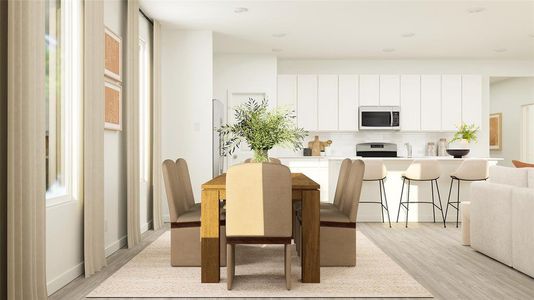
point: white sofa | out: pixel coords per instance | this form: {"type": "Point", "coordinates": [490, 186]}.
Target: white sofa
{"type": "Point", "coordinates": [502, 217]}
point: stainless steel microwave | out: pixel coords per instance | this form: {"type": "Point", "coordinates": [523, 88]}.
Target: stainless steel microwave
{"type": "Point", "coordinates": [379, 118]}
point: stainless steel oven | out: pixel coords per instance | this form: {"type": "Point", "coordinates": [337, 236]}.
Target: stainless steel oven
{"type": "Point", "coordinates": [379, 118]}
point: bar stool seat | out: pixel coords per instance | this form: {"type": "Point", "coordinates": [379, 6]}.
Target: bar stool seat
{"type": "Point", "coordinates": [422, 170]}
{"type": "Point", "coordinates": [375, 170]}
{"type": "Point", "coordinates": [469, 170]}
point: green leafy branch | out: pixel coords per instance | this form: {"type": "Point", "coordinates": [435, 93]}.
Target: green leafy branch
{"type": "Point", "coordinates": [466, 132]}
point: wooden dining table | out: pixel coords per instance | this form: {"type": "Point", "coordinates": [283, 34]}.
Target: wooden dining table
{"type": "Point", "coordinates": [303, 189]}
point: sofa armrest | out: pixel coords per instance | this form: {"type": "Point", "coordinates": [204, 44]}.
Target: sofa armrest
{"type": "Point", "coordinates": [491, 220]}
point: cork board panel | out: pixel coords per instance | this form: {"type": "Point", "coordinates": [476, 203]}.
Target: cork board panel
{"type": "Point", "coordinates": [495, 131]}
{"type": "Point", "coordinates": [113, 106]}
{"type": "Point", "coordinates": [113, 55]}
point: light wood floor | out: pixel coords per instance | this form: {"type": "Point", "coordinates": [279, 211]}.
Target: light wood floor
{"type": "Point", "coordinates": [433, 255]}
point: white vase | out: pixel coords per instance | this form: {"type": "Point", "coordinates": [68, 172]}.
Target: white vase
{"type": "Point", "coordinates": [459, 144]}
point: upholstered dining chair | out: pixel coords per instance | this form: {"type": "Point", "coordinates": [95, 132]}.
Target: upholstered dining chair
{"type": "Point", "coordinates": [338, 224]}
{"type": "Point", "coordinates": [185, 216]}
{"type": "Point", "coordinates": [258, 210]}
{"type": "Point", "coordinates": [271, 160]}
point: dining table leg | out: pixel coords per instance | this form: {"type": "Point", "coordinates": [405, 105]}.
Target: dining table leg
{"type": "Point", "coordinates": [311, 265]}
{"type": "Point", "coordinates": [209, 237]}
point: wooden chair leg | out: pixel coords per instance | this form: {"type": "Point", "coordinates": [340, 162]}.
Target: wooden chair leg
{"type": "Point", "coordinates": [287, 268]}
{"type": "Point", "coordinates": [230, 265]}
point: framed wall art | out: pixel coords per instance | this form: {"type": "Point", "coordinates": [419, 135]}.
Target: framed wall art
{"type": "Point", "coordinates": [113, 55]}
{"type": "Point", "coordinates": [113, 106]}
{"type": "Point", "coordinates": [495, 137]}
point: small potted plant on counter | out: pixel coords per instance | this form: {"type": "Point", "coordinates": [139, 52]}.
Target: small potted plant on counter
{"type": "Point", "coordinates": [459, 145]}
{"type": "Point", "coordinates": [261, 129]}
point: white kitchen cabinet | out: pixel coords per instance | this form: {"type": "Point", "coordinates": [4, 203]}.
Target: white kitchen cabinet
{"type": "Point", "coordinates": [369, 90]}
{"type": "Point", "coordinates": [410, 102]}
{"type": "Point", "coordinates": [431, 102]}
{"type": "Point", "coordinates": [451, 102]}
{"type": "Point", "coordinates": [348, 102]}
{"type": "Point", "coordinates": [327, 97]}
{"type": "Point", "coordinates": [389, 90]}
{"type": "Point", "coordinates": [315, 168]}
{"type": "Point", "coordinates": [287, 91]}
{"type": "Point", "coordinates": [472, 99]}
{"type": "Point", "coordinates": [307, 102]}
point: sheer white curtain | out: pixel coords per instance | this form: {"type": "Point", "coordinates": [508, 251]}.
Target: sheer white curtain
{"type": "Point", "coordinates": [3, 149]}
{"type": "Point", "coordinates": [156, 135]}
{"type": "Point", "coordinates": [132, 124]}
{"type": "Point", "coordinates": [26, 151]}
{"type": "Point", "coordinates": [93, 136]}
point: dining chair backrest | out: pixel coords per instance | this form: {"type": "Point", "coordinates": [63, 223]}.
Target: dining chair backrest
{"type": "Point", "coordinates": [352, 190]}
{"type": "Point", "coordinates": [472, 169]}
{"type": "Point", "coordinates": [258, 200]}
{"type": "Point", "coordinates": [271, 160]}
{"type": "Point", "coordinates": [176, 194]}
{"type": "Point", "coordinates": [185, 179]}
{"type": "Point", "coordinates": [341, 180]}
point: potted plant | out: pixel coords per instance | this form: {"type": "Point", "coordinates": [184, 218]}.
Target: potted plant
{"type": "Point", "coordinates": [261, 129]}
{"type": "Point", "coordinates": [459, 145]}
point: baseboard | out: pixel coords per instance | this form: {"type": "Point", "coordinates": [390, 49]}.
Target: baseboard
{"type": "Point", "coordinates": [62, 280]}
{"type": "Point", "coordinates": [146, 227]}
{"type": "Point", "coordinates": [116, 245]}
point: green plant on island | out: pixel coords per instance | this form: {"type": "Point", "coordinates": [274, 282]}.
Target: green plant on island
{"type": "Point", "coordinates": [261, 129]}
{"type": "Point", "coordinates": [467, 132]}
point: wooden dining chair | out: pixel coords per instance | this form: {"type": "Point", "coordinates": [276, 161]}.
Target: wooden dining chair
{"type": "Point", "coordinates": [185, 216]}
{"type": "Point", "coordinates": [520, 164]}
{"type": "Point", "coordinates": [258, 210]}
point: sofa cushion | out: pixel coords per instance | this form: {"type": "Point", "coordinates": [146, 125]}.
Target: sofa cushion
{"type": "Point", "coordinates": [508, 176]}
{"type": "Point", "coordinates": [491, 224]}
{"type": "Point", "coordinates": [522, 234]}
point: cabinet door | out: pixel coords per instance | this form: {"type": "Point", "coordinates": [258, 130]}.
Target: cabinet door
{"type": "Point", "coordinates": [328, 102]}
{"type": "Point", "coordinates": [389, 90]}
{"type": "Point", "coordinates": [451, 102]}
{"type": "Point", "coordinates": [410, 90]}
{"type": "Point", "coordinates": [348, 102]}
{"type": "Point", "coordinates": [307, 102]}
{"type": "Point", "coordinates": [287, 91]}
{"type": "Point", "coordinates": [431, 102]}
{"type": "Point", "coordinates": [369, 90]}
{"type": "Point", "coordinates": [472, 99]}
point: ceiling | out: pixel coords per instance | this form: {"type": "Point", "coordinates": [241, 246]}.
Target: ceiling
{"type": "Point", "coordinates": [359, 29]}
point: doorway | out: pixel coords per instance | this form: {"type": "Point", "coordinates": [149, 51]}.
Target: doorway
{"type": "Point", "coordinates": [527, 133]}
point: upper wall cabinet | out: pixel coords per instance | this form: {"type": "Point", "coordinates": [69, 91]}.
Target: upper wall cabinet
{"type": "Point", "coordinates": [451, 102]}
{"type": "Point", "coordinates": [389, 90]}
{"type": "Point", "coordinates": [307, 102]}
{"type": "Point", "coordinates": [431, 102]}
{"type": "Point", "coordinates": [472, 99]}
{"type": "Point", "coordinates": [410, 99]}
{"type": "Point", "coordinates": [348, 102]}
{"type": "Point", "coordinates": [287, 91]}
{"type": "Point", "coordinates": [369, 90]}
{"type": "Point", "coordinates": [328, 102]}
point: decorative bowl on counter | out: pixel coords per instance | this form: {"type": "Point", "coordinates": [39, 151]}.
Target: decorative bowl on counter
{"type": "Point", "coordinates": [458, 153]}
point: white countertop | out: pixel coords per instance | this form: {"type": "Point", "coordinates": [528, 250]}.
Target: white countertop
{"type": "Point", "coordinates": [440, 158]}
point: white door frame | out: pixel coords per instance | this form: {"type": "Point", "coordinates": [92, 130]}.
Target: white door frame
{"type": "Point", "coordinates": [524, 131]}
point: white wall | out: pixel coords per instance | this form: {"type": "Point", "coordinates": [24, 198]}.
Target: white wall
{"type": "Point", "coordinates": [115, 149]}
{"type": "Point", "coordinates": [145, 205]}
{"type": "Point", "coordinates": [187, 92]}
{"type": "Point", "coordinates": [354, 66]}
{"type": "Point", "coordinates": [507, 97]}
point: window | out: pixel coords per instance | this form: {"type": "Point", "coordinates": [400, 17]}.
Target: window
{"type": "Point", "coordinates": [62, 98]}
{"type": "Point", "coordinates": [144, 111]}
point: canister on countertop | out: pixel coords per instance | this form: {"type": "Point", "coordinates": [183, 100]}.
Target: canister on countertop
{"type": "Point", "coordinates": [431, 149]}
{"type": "Point", "coordinates": [442, 147]}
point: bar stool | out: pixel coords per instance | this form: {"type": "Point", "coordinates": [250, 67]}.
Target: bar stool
{"type": "Point", "coordinates": [469, 170]}
{"type": "Point", "coordinates": [375, 170]}
{"type": "Point", "coordinates": [422, 170]}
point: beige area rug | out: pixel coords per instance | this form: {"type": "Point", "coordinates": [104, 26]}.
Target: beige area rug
{"type": "Point", "coordinates": [260, 273]}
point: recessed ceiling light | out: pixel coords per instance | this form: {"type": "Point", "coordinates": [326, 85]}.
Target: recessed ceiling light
{"type": "Point", "coordinates": [388, 50]}
{"type": "Point", "coordinates": [239, 10]}
{"type": "Point", "coordinates": [408, 35]}
{"type": "Point", "coordinates": [279, 35]}
{"type": "Point", "coordinates": [475, 10]}
{"type": "Point", "coordinates": [500, 50]}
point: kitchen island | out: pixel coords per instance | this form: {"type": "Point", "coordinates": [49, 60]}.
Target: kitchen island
{"type": "Point", "coordinates": [325, 170]}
